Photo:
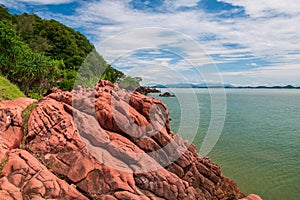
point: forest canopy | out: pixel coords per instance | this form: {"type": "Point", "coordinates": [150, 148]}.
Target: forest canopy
{"type": "Point", "coordinates": [37, 54]}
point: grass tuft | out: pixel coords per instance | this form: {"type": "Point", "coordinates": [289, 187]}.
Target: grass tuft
{"type": "Point", "coordinates": [2, 164]}
{"type": "Point", "coordinates": [9, 91]}
{"type": "Point", "coordinates": [25, 115]}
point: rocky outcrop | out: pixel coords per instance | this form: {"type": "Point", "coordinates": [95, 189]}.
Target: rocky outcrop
{"type": "Point", "coordinates": [252, 197]}
{"type": "Point", "coordinates": [23, 175]}
{"type": "Point", "coordinates": [105, 143]}
{"type": "Point", "coordinates": [147, 90]}
{"type": "Point", "coordinates": [167, 94]}
{"type": "Point", "coordinates": [11, 122]}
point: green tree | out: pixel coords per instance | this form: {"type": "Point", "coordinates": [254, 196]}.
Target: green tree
{"type": "Point", "coordinates": [27, 69]}
{"type": "Point", "coordinates": [27, 30]}
{"type": "Point", "coordinates": [4, 15]}
{"type": "Point", "coordinates": [67, 80]}
{"type": "Point", "coordinates": [66, 43]}
{"type": "Point", "coordinates": [49, 50]}
{"type": "Point", "coordinates": [130, 83]}
{"type": "Point", "coordinates": [94, 68]}
{"type": "Point", "coordinates": [8, 46]}
{"type": "Point", "coordinates": [24, 27]}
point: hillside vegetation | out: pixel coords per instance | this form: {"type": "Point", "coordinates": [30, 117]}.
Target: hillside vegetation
{"type": "Point", "coordinates": [9, 91]}
{"type": "Point", "coordinates": [38, 54]}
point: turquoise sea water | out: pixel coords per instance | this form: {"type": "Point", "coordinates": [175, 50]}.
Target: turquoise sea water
{"type": "Point", "coordinates": [259, 146]}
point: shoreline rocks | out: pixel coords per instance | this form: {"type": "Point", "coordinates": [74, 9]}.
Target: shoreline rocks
{"type": "Point", "coordinates": [167, 94]}
{"type": "Point", "coordinates": [146, 90]}
{"type": "Point", "coordinates": [103, 143]}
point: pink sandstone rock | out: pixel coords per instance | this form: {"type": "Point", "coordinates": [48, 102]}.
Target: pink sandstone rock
{"type": "Point", "coordinates": [106, 143]}
{"type": "Point", "coordinates": [252, 197]}
{"type": "Point", "coordinates": [11, 122]}
{"type": "Point", "coordinates": [24, 177]}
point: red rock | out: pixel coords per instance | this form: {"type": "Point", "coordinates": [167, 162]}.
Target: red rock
{"type": "Point", "coordinates": [109, 144]}
{"type": "Point", "coordinates": [24, 177]}
{"type": "Point", "coordinates": [252, 197]}
{"type": "Point", "coordinates": [11, 122]}
{"type": "Point", "coordinates": [5, 195]}
{"type": "Point", "coordinates": [3, 151]}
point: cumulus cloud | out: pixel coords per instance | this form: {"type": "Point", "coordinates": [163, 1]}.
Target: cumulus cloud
{"type": "Point", "coordinates": [253, 64]}
{"type": "Point", "coordinates": [270, 75]}
{"type": "Point", "coordinates": [155, 53]}
{"type": "Point", "coordinates": [269, 31]}
{"type": "Point", "coordinates": [46, 2]}
{"type": "Point", "coordinates": [181, 3]}
{"type": "Point", "coordinates": [263, 38]}
{"type": "Point", "coordinates": [262, 8]}
{"type": "Point", "coordinates": [20, 5]}
{"type": "Point", "coordinates": [270, 38]}
{"type": "Point", "coordinates": [13, 4]}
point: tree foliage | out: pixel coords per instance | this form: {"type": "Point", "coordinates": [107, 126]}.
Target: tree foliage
{"type": "Point", "coordinates": [4, 15]}
{"type": "Point", "coordinates": [130, 83]}
{"type": "Point", "coordinates": [37, 54]}
{"type": "Point", "coordinates": [24, 67]}
{"type": "Point", "coordinates": [93, 67]}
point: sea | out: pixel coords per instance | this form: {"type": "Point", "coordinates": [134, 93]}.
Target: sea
{"type": "Point", "coordinates": [253, 134]}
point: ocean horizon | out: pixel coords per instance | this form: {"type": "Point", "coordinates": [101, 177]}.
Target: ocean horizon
{"type": "Point", "coordinates": [259, 145]}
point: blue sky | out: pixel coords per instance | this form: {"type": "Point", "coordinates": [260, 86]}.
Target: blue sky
{"type": "Point", "coordinates": [239, 42]}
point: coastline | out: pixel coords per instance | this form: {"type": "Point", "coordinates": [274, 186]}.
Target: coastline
{"type": "Point", "coordinates": [86, 152]}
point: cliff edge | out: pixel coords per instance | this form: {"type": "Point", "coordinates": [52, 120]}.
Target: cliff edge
{"type": "Point", "coordinates": [101, 143]}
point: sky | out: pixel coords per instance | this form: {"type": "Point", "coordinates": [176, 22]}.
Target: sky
{"type": "Point", "coordinates": [238, 42]}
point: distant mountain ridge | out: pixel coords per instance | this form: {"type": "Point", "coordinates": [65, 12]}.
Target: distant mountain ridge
{"type": "Point", "coordinates": [220, 85]}
{"type": "Point", "coordinates": [191, 85]}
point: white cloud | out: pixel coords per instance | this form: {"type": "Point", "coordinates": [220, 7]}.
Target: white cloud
{"type": "Point", "coordinates": [46, 2]}
{"type": "Point", "coordinates": [181, 3]}
{"type": "Point", "coordinates": [269, 38]}
{"type": "Point", "coordinates": [12, 4]}
{"type": "Point", "coordinates": [20, 5]}
{"type": "Point", "coordinates": [263, 38]}
{"type": "Point", "coordinates": [272, 75]}
{"type": "Point", "coordinates": [262, 8]}
{"type": "Point", "coordinates": [176, 44]}
{"type": "Point", "coordinates": [253, 64]}
{"type": "Point", "coordinates": [270, 32]}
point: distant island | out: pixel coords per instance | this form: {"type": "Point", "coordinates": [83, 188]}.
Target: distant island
{"type": "Point", "coordinates": [217, 85]}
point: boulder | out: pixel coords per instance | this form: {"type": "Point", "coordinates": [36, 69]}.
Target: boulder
{"type": "Point", "coordinates": [11, 121]}
{"type": "Point", "coordinates": [252, 197]}
{"type": "Point", "coordinates": [167, 94]}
